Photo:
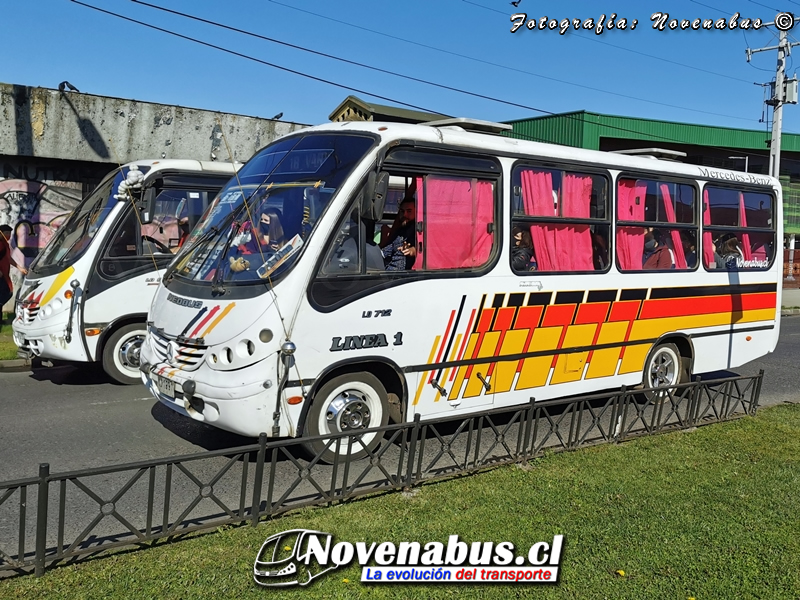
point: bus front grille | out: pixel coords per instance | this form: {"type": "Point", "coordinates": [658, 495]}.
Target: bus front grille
{"type": "Point", "coordinates": [184, 356]}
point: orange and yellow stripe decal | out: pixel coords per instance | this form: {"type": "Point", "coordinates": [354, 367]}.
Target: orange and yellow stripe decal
{"type": "Point", "coordinates": [506, 329]}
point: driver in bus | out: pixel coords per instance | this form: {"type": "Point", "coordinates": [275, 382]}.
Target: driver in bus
{"type": "Point", "coordinates": [397, 242]}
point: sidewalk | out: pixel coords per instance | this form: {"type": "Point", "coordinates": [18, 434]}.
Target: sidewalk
{"type": "Point", "coordinates": [14, 366]}
{"type": "Point", "coordinates": [790, 305]}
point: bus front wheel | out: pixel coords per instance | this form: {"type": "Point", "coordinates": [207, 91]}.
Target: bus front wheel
{"type": "Point", "coordinates": [347, 404]}
{"type": "Point", "coordinates": [121, 353]}
{"type": "Point", "coordinates": [664, 368]}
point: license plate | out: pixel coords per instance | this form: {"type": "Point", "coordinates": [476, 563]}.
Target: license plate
{"type": "Point", "coordinates": [166, 386]}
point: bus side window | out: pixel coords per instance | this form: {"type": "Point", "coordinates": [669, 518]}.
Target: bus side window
{"type": "Point", "coordinates": [656, 225]}
{"type": "Point", "coordinates": [738, 229]}
{"type": "Point", "coordinates": [560, 222]}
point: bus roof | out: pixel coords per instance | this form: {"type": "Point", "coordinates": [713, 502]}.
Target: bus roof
{"type": "Point", "coordinates": [457, 136]}
{"type": "Point", "coordinates": [200, 166]}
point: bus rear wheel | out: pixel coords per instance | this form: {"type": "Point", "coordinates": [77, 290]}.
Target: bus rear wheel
{"type": "Point", "coordinates": [664, 369]}
{"type": "Point", "coordinates": [347, 404]}
{"type": "Point", "coordinates": [121, 353]}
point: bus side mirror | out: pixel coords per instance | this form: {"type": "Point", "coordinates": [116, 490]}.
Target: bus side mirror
{"type": "Point", "coordinates": [373, 197]}
{"type": "Point", "coordinates": [146, 206]}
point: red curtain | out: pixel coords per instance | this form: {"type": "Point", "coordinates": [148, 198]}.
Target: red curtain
{"type": "Point", "coordinates": [677, 244]}
{"type": "Point", "coordinates": [746, 249]}
{"type": "Point", "coordinates": [630, 207]}
{"type": "Point", "coordinates": [574, 242]}
{"type": "Point", "coordinates": [419, 207]}
{"type": "Point", "coordinates": [483, 214]}
{"type": "Point", "coordinates": [708, 242]}
{"type": "Point", "coordinates": [457, 212]}
{"type": "Point", "coordinates": [537, 198]}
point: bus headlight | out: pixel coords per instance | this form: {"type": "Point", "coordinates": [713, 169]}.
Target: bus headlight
{"type": "Point", "coordinates": [236, 354]}
{"type": "Point", "coordinates": [245, 349]}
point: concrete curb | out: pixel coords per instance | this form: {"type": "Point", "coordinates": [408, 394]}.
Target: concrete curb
{"type": "Point", "coordinates": [15, 366]}
{"type": "Point", "coordinates": [785, 312]}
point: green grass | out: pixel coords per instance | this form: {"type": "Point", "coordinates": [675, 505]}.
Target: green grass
{"type": "Point", "coordinates": [706, 514]}
{"type": "Point", "coordinates": [8, 349]}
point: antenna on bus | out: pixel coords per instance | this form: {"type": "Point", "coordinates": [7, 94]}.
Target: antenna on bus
{"type": "Point", "coordinates": [475, 125]}
{"type": "Point", "coordinates": [657, 153]}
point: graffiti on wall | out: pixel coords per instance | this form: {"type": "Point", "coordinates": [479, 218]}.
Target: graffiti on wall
{"type": "Point", "coordinates": [34, 210]}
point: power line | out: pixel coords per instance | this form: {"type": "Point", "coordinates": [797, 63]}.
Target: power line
{"type": "Point", "coordinates": [765, 6]}
{"type": "Point", "coordinates": [252, 58]}
{"type": "Point", "coordinates": [239, 54]}
{"type": "Point", "coordinates": [591, 39]}
{"type": "Point", "coordinates": [418, 79]}
{"type": "Point", "coordinates": [472, 58]}
{"type": "Point", "coordinates": [709, 6]}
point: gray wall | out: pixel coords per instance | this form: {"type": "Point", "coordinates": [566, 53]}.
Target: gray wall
{"type": "Point", "coordinates": [73, 126]}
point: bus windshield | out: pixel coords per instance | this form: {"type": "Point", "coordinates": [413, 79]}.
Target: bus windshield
{"type": "Point", "coordinates": [255, 227]}
{"type": "Point", "coordinates": [74, 237]}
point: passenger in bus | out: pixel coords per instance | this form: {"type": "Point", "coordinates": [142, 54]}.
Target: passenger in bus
{"type": "Point", "coordinates": [599, 251]}
{"type": "Point", "coordinates": [689, 249]}
{"type": "Point", "coordinates": [730, 253]}
{"type": "Point", "coordinates": [270, 231]}
{"type": "Point", "coordinates": [398, 241]}
{"type": "Point", "coordinates": [522, 258]}
{"type": "Point", "coordinates": [656, 256]}
{"type": "Point", "coordinates": [264, 237]}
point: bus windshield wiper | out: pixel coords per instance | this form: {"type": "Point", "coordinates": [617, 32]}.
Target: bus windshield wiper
{"type": "Point", "coordinates": [217, 284]}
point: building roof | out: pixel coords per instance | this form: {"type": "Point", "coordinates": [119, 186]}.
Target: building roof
{"type": "Point", "coordinates": [584, 129]}
{"type": "Point", "coordinates": [354, 108]}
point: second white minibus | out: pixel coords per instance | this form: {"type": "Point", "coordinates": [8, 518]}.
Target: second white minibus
{"type": "Point", "coordinates": [86, 296]}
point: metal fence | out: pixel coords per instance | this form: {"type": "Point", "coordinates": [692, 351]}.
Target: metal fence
{"type": "Point", "coordinates": [85, 512]}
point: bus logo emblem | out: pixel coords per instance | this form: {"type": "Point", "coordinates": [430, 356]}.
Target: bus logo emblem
{"type": "Point", "coordinates": [172, 353]}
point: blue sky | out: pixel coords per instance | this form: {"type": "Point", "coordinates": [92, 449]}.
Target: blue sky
{"type": "Point", "coordinates": [630, 73]}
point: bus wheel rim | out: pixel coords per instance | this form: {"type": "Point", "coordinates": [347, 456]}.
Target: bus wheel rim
{"type": "Point", "coordinates": [129, 353]}
{"type": "Point", "coordinates": [663, 370]}
{"type": "Point", "coordinates": [350, 409]}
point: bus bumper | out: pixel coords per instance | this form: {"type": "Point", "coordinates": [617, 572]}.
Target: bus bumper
{"type": "Point", "coordinates": [48, 341]}
{"type": "Point", "coordinates": [246, 407]}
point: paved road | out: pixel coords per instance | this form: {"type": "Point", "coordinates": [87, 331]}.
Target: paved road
{"type": "Point", "coordinates": [75, 418]}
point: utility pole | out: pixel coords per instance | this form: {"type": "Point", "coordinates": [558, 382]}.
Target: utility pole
{"type": "Point", "coordinates": [783, 92]}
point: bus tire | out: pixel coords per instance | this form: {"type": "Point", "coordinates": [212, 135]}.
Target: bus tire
{"type": "Point", "coordinates": [665, 367]}
{"type": "Point", "coordinates": [347, 403]}
{"type": "Point", "coordinates": [121, 353]}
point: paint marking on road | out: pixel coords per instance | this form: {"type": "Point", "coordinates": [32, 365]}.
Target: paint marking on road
{"type": "Point", "coordinates": [119, 401]}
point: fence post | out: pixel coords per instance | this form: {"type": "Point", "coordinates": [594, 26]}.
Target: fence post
{"type": "Point", "coordinates": [757, 393]}
{"type": "Point", "coordinates": [41, 518]}
{"type": "Point", "coordinates": [622, 420]}
{"type": "Point", "coordinates": [694, 405]}
{"type": "Point", "coordinates": [528, 425]}
{"type": "Point", "coordinates": [412, 450]}
{"type": "Point", "coordinates": [259, 479]}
